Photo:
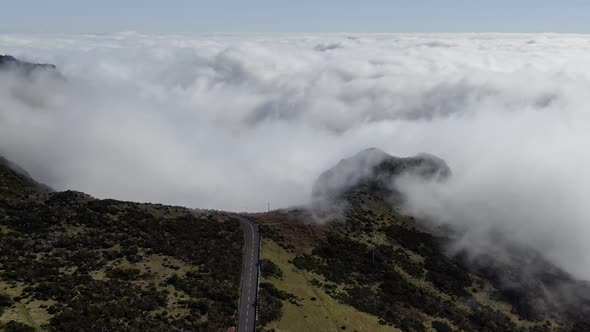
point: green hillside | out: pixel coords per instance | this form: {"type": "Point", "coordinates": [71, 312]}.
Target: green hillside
{"type": "Point", "coordinates": [70, 262]}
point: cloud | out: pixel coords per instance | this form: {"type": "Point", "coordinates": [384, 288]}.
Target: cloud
{"type": "Point", "coordinates": [236, 121]}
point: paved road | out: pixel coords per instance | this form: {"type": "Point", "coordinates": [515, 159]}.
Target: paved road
{"type": "Point", "coordinates": [250, 272]}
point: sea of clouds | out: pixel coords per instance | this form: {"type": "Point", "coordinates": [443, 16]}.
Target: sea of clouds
{"type": "Point", "coordinates": [236, 121]}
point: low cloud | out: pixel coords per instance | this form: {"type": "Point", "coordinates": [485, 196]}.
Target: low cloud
{"type": "Point", "coordinates": [234, 122]}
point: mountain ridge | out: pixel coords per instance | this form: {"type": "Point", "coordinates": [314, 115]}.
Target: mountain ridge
{"type": "Point", "coordinates": [398, 269]}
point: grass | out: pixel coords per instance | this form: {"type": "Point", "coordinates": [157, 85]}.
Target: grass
{"type": "Point", "coordinates": [4, 229]}
{"type": "Point", "coordinates": [159, 265]}
{"type": "Point", "coordinates": [24, 315]}
{"type": "Point", "coordinates": [31, 313]}
{"type": "Point", "coordinates": [158, 268]}
{"type": "Point", "coordinates": [38, 314]}
{"type": "Point", "coordinates": [323, 314]}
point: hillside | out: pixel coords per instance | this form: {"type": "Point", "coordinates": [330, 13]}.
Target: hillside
{"type": "Point", "coordinates": [353, 261]}
{"type": "Point", "coordinates": [70, 262]}
{"type": "Point", "coordinates": [369, 267]}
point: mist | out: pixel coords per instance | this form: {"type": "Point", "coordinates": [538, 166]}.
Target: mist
{"type": "Point", "coordinates": [236, 121]}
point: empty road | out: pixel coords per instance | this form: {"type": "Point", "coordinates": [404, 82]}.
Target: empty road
{"type": "Point", "coordinates": [249, 282]}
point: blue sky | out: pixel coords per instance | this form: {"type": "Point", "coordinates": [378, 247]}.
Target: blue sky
{"type": "Point", "coordinates": [184, 16]}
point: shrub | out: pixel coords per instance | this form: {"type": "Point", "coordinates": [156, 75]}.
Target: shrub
{"type": "Point", "coordinates": [269, 269]}
{"type": "Point", "coordinates": [441, 326]}
{"type": "Point", "coordinates": [14, 326]}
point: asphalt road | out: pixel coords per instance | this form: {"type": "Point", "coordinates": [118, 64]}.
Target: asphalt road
{"type": "Point", "coordinates": [250, 272]}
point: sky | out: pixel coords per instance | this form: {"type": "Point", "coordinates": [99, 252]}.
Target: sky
{"type": "Point", "coordinates": [188, 16]}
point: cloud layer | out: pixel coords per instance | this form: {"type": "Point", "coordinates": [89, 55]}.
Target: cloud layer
{"type": "Point", "coordinates": [236, 121]}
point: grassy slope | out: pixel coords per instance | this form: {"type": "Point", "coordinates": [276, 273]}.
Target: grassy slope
{"type": "Point", "coordinates": [328, 313]}
{"type": "Point", "coordinates": [322, 314]}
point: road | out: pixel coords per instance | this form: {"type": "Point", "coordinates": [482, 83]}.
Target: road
{"type": "Point", "coordinates": [250, 273]}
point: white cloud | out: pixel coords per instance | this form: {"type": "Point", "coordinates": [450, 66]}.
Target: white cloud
{"type": "Point", "coordinates": [235, 121]}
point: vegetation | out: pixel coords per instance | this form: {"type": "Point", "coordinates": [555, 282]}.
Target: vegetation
{"type": "Point", "coordinates": [270, 307]}
{"type": "Point", "coordinates": [441, 326]}
{"type": "Point", "coordinates": [312, 308]}
{"type": "Point", "coordinates": [380, 262]}
{"type": "Point", "coordinates": [269, 269]}
{"type": "Point", "coordinates": [74, 263]}
{"type": "Point", "coordinates": [14, 326]}
{"type": "Point", "coordinates": [5, 302]}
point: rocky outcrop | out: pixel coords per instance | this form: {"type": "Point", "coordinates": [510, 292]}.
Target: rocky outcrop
{"type": "Point", "coordinates": [375, 171]}
{"type": "Point", "coordinates": [8, 62]}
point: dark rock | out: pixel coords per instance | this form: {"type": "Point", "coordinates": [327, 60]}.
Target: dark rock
{"type": "Point", "coordinates": [375, 171]}
{"type": "Point", "coordinates": [8, 62]}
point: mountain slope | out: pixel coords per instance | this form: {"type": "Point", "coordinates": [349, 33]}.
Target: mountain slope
{"type": "Point", "coordinates": [70, 262]}
{"type": "Point", "coordinates": [15, 181]}
{"type": "Point", "coordinates": [8, 62]}
{"type": "Point", "coordinates": [373, 260]}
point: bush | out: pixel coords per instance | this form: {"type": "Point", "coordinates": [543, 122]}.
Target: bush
{"type": "Point", "coordinates": [269, 269]}
{"type": "Point", "coordinates": [124, 274]}
{"type": "Point", "coordinates": [5, 301]}
{"type": "Point", "coordinates": [14, 326]}
{"type": "Point", "coordinates": [441, 326]}
{"type": "Point", "coordinates": [270, 308]}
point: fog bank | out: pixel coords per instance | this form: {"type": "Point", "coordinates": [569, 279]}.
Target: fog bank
{"type": "Point", "coordinates": [236, 121]}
